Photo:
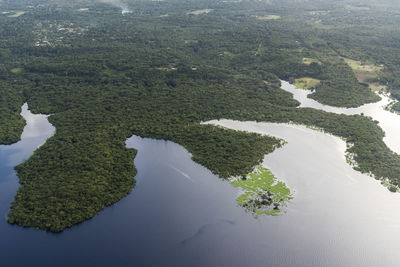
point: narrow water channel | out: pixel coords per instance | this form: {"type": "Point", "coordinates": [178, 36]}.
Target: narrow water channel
{"type": "Point", "coordinates": [388, 121]}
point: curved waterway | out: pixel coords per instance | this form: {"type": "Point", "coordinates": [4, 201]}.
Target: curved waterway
{"type": "Point", "coordinates": [180, 214]}
{"type": "Point", "coordinates": [388, 121]}
{"type": "Point", "coordinates": [338, 217]}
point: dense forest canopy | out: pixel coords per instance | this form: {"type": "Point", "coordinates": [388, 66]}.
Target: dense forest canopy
{"type": "Point", "coordinates": [161, 68]}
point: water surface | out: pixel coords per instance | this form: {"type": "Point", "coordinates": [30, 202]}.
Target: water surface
{"type": "Point", "coordinates": [388, 121]}
{"type": "Point", "coordinates": [338, 217]}
{"type": "Point", "coordinates": [181, 214]}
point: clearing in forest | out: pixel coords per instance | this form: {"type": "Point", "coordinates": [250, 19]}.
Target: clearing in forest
{"type": "Point", "coordinates": [377, 87]}
{"type": "Point", "coordinates": [199, 12]}
{"type": "Point", "coordinates": [363, 71]}
{"type": "Point", "coordinates": [308, 61]}
{"type": "Point", "coordinates": [16, 70]}
{"type": "Point", "coordinates": [306, 83]}
{"type": "Point", "coordinates": [16, 14]}
{"type": "Point", "coordinates": [268, 17]}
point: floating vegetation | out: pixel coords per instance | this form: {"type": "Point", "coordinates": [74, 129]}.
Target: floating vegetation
{"type": "Point", "coordinates": [262, 193]}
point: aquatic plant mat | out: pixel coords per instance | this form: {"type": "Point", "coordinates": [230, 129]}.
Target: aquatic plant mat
{"type": "Point", "coordinates": [262, 193]}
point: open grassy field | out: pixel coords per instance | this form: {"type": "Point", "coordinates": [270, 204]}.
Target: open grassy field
{"type": "Point", "coordinates": [363, 71]}
{"type": "Point", "coordinates": [308, 61]}
{"type": "Point", "coordinates": [16, 70]}
{"type": "Point", "coordinates": [377, 87]}
{"type": "Point", "coordinates": [268, 17]}
{"type": "Point", "coordinates": [16, 14]}
{"type": "Point", "coordinates": [358, 65]}
{"type": "Point", "coordinates": [199, 12]}
{"type": "Point", "coordinates": [306, 83]}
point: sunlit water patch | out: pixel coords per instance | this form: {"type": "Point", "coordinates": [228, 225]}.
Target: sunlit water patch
{"type": "Point", "coordinates": [35, 133]}
{"type": "Point", "coordinates": [335, 207]}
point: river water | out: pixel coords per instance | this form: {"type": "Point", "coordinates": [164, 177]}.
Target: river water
{"type": "Point", "coordinates": [388, 121]}
{"type": "Point", "coordinates": [342, 216]}
{"type": "Point", "coordinates": [180, 214]}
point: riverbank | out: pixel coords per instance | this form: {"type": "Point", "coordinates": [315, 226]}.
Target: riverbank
{"type": "Point", "coordinates": [387, 120]}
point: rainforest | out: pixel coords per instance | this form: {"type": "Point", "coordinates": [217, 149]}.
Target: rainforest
{"type": "Point", "coordinates": [158, 69]}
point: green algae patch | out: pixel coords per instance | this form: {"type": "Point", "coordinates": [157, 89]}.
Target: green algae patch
{"type": "Point", "coordinates": [262, 193]}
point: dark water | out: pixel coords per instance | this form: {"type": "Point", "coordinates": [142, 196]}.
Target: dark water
{"type": "Point", "coordinates": [180, 214]}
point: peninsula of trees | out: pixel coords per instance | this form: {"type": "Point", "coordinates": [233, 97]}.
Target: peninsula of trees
{"type": "Point", "coordinates": [164, 68]}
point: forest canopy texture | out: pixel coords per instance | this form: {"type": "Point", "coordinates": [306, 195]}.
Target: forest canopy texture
{"type": "Point", "coordinates": [165, 67]}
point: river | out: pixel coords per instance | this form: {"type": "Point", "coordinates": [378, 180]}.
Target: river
{"type": "Point", "coordinates": [179, 213]}
{"type": "Point", "coordinates": [388, 121]}
{"type": "Point", "coordinates": [338, 217]}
